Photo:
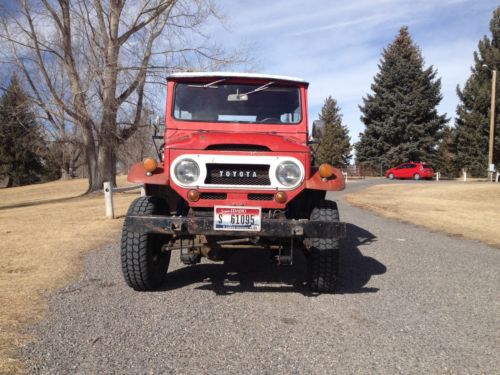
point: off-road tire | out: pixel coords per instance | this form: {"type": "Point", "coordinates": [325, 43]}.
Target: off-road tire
{"type": "Point", "coordinates": [391, 176]}
{"type": "Point", "coordinates": [416, 177]}
{"type": "Point", "coordinates": [323, 255]}
{"type": "Point", "coordinates": [144, 266]}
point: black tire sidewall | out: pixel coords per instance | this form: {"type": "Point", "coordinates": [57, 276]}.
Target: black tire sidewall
{"type": "Point", "coordinates": [144, 266]}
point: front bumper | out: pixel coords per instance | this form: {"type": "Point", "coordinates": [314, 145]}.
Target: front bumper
{"type": "Point", "coordinates": [205, 226]}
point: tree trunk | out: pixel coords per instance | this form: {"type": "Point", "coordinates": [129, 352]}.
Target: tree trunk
{"type": "Point", "coordinates": [105, 166]}
{"type": "Point", "coordinates": [94, 180]}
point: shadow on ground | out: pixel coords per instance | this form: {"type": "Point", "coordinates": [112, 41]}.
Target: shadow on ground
{"type": "Point", "coordinates": [357, 269]}
{"type": "Point", "coordinates": [253, 271]}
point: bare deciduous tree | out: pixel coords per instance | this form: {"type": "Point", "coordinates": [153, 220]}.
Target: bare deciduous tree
{"type": "Point", "coordinates": [104, 54]}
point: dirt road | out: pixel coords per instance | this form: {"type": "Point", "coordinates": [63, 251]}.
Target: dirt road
{"type": "Point", "coordinates": [410, 301]}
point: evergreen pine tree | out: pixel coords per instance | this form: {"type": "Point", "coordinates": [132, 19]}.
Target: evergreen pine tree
{"type": "Point", "coordinates": [335, 147]}
{"type": "Point", "coordinates": [18, 137]}
{"type": "Point", "coordinates": [400, 116]}
{"type": "Point", "coordinates": [472, 125]}
{"type": "Point", "coordinates": [446, 154]}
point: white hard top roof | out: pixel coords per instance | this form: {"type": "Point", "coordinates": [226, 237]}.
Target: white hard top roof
{"type": "Point", "coordinates": [235, 75]}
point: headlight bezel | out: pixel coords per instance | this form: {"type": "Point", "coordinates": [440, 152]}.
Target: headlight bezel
{"type": "Point", "coordinates": [289, 164]}
{"type": "Point", "coordinates": [180, 177]}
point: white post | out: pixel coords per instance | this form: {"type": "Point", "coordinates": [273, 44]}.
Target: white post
{"type": "Point", "coordinates": [498, 174]}
{"type": "Point", "coordinates": [143, 191]}
{"type": "Point", "coordinates": [108, 200]}
{"type": "Point", "coordinates": [437, 176]}
{"type": "Point", "coordinates": [465, 174]}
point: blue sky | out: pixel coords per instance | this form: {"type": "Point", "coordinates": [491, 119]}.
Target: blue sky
{"type": "Point", "coordinates": [336, 45]}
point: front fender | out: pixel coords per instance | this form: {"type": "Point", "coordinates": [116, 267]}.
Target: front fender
{"type": "Point", "coordinates": [334, 183]}
{"type": "Point", "coordinates": [138, 174]}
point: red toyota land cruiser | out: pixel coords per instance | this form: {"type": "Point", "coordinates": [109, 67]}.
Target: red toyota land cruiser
{"type": "Point", "coordinates": [235, 171]}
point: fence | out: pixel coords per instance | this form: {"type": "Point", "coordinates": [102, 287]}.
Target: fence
{"type": "Point", "coordinates": [108, 196]}
{"type": "Point", "coordinates": [494, 176]}
{"type": "Point", "coordinates": [362, 171]}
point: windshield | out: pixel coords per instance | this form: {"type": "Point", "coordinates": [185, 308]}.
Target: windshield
{"type": "Point", "coordinates": [226, 102]}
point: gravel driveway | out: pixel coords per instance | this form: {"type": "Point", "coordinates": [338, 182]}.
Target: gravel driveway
{"type": "Point", "coordinates": [410, 301]}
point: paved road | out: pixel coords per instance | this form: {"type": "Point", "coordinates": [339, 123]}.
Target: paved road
{"type": "Point", "coordinates": [410, 301]}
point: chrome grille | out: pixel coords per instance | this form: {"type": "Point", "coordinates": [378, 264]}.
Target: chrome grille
{"type": "Point", "coordinates": [237, 174]}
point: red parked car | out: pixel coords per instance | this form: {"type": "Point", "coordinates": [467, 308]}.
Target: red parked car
{"type": "Point", "coordinates": [412, 170]}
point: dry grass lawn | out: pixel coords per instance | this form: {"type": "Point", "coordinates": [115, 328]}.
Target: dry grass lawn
{"type": "Point", "coordinates": [471, 209]}
{"type": "Point", "coordinates": [44, 230]}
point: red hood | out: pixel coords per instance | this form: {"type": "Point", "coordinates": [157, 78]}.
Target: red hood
{"type": "Point", "coordinates": [202, 140]}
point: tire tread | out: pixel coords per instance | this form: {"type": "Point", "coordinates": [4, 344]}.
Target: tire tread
{"type": "Point", "coordinates": [136, 246]}
{"type": "Point", "coordinates": [324, 252]}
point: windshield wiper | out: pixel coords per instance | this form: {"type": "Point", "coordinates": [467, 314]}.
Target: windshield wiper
{"type": "Point", "coordinates": [260, 88]}
{"type": "Point", "coordinates": [209, 84]}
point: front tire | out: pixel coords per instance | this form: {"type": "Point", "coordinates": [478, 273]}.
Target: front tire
{"type": "Point", "coordinates": [144, 265]}
{"type": "Point", "coordinates": [324, 253]}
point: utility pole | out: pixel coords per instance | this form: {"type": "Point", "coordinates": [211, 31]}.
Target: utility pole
{"type": "Point", "coordinates": [492, 121]}
{"type": "Point", "coordinates": [492, 124]}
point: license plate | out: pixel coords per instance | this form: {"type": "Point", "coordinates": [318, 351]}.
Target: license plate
{"type": "Point", "coordinates": [237, 218]}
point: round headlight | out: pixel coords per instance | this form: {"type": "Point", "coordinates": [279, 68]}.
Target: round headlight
{"type": "Point", "coordinates": [187, 171]}
{"type": "Point", "coordinates": [288, 173]}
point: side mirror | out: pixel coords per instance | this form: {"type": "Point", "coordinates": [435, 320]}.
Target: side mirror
{"type": "Point", "coordinates": [318, 129]}
{"type": "Point", "coordinates": [158, 126]}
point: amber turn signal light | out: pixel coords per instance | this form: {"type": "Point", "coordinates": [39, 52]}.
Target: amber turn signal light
{"type": "Point", "coordinates": [150, 164]}
{"type": "Point", "coordinates": [326, 170]}
{"type": "Point", "coordinates": [193, 195]}
{"type": "Point", "coordinates": [280, 197]}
